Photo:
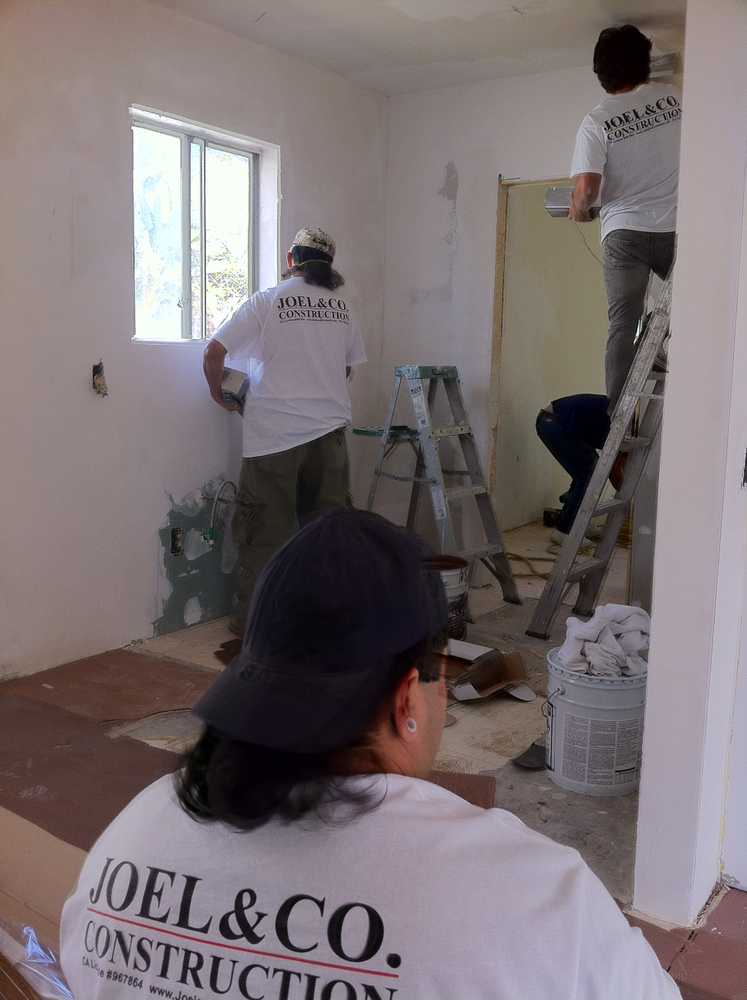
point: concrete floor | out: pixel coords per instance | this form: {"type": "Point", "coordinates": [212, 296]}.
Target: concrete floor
{"type": "Point", "coordinates": [192, 645]}
{"type": "Point", "coordinates": [486, 735]}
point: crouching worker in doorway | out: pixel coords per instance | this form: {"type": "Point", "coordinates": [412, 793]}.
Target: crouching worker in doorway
{"type": "Point", "coordinates": [302, 854]}
{"type": "Point", "coordinates": [301, 338]}
{"type": "Point", "coordinates": [574, 429]}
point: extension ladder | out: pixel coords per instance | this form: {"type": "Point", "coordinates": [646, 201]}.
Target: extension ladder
{"type": "Point", "coordinates": [640, 387]}
{"type": "Point", "coordinates": [422, 382]}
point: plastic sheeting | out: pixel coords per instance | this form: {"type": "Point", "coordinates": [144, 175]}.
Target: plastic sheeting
{"type": "Point", "coordinates": [38, 965]}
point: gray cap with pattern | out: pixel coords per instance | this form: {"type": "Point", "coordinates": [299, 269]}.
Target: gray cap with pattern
{"type": "Point", "coordinates": [317, 239]}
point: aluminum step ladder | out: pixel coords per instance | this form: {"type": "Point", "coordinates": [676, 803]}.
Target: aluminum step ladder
{"type": "Point", "coordinates": [422, 383]}
{"type": "Point", "coordinates": [639, 391]}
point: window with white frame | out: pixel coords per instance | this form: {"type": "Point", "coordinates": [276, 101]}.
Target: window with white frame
{"type": "Point", "coordinates": [194, 226]}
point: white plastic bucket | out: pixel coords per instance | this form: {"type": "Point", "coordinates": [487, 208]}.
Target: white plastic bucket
{"type": "Point", "coordinates": [594, 730]}
{"type": "Point", "coordinates": [454, 573]}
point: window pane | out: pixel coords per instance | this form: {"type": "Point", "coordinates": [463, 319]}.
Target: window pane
{"type": "Point", "coordinates": [158, 234]}
{"type": "Point", "coordinates": [227, 233]}
{"type": "Point", "coordinates": [195, 213]}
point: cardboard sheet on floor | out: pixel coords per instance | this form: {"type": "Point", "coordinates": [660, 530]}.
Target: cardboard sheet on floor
{"type": "Point", "coordinates": [37, 874]}
{"type": "Point", "coordinates": [479, 789]}
{"type": "Point", "coordinates": [12, 985]}
{"type": "Point", "coordinates": [62, 772]}
{"type": "Point", "coordinates": [491, 673]}
{"type": "Point", "coordinates": [116, 686]}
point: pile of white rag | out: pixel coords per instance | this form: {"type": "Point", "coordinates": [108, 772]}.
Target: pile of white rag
{"type": "Point", "coordinates": [613, 643]}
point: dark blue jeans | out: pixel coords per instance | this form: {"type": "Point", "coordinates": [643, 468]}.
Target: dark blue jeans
{"type": "Point", "coordinates": [577, 457]}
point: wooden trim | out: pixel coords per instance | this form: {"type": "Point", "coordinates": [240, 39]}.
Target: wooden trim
{"type": "Point", "coordinates": [497, 336]}
{"type": "Point", "coordinates": [543, 182]}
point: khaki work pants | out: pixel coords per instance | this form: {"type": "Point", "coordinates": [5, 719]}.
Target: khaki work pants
{"type": "Point", "coordinates": [278, 494]}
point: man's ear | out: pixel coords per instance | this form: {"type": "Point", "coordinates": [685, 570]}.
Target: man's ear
{"type": "Point", "coordinates": [405, 704]}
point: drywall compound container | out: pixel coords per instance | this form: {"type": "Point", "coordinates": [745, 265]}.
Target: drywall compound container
{"type": "Point", "coordinates": [594, 730]}
{"type": "Point", "coordinates": [455, 577]}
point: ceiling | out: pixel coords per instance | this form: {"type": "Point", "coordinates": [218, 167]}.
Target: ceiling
{"type": "Point", "coordinates": [396, 46]}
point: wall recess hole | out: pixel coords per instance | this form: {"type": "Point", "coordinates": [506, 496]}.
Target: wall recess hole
{"type": "Point", "coordinates": [177, 541]}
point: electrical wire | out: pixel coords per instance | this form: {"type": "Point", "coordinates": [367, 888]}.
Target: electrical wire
{"type": "Point", "coordinates": [583, 240]}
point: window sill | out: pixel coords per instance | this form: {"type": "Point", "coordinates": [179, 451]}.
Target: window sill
{"type": "Point", "coordinates": [170, 343]}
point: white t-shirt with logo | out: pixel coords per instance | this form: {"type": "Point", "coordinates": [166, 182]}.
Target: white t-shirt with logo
{"type": "Point", "coordinates": [297, 340]}
{"type": "Point", "coordinates": [425, 897]}
{"type": "Point", "coordinates": [633, 141]}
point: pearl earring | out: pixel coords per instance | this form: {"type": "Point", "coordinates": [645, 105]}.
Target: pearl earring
{"type": "Point", "coordinates": [412, 726]}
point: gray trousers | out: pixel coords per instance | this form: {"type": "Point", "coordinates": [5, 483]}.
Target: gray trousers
{"type": "Point", "coordinates": [278, 494]}
{"type": "Point", "coordinates": [629, 257]}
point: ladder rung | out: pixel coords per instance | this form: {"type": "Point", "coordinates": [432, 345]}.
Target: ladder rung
{"type": "Point", "coordinates": [427, 371]}
{"type": "Point", "coordinates": [405, 479]}
{"type": "Point", "coordinates": [632, 443]}
{"type": "Point", "coordinates": [397, 432]}
{"type": "Point", "coordinates": [607, 506]}
{"type": "Point", "coordinates": [460, 492]}
{"type": "Point", "coordinates": [584, 567]}
{"type": "Point", "coordinates": [451, 430]}
{"type": "Point", "coordinates": [482, 552]}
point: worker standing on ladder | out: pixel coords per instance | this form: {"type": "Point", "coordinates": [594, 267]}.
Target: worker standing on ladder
{"type": "Point", "coordinates": [301, 339]}
{"type": "Point", "coordinates": [627, 149]}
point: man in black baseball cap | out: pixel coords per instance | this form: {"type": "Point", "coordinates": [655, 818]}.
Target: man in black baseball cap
{"type": "Point", "coordinates": [332, 613]}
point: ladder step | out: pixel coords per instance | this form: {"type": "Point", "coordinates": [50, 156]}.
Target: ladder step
{"type": "Point", "coordinates": [607, 506]}
{"type": "Point", "coordinates": [584, 567]}
{"type": "Point", "coordinates": [451, 430]}
{"type": "Point", "coordinates": [427, 371]}
{"type": "Point", "coordinates": [397, 432]}
{"type": "Point", "coordinates": [460, 492]}
{"type": "Point", "coordinates": [482, 552]}
{"type": "Point", "coordinates": [404, 479]}
{"type": "Point", "coordinates": [634, 443]}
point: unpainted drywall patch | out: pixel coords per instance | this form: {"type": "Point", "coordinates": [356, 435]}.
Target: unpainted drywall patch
{"type": "Point", "coordinates": [450, 187]}
{"type": "Point", "coordinates": [98, 379]}
{"type": "Point", "coordinates": [192, 611]}
{"type": "Point", "coordinates": [196, 582]}
{"type": "Point", "coordinates": [195, 545]}
{"type": "Point", "coordinates": [444, 291]}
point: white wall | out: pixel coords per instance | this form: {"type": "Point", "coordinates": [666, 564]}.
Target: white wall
{"type": "Point", "coordinates": [699, 569]}
{"type": "Point", "coordinates": [446, 151]}
{"type": "Point", "coordinates": [735, 529]}
{"type": "Point", "coordinates": [86, 479]}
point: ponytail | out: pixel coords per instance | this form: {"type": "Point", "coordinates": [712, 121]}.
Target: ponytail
{"type": "Point", "coordinates": [315, 267]}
